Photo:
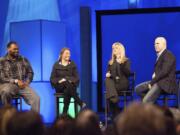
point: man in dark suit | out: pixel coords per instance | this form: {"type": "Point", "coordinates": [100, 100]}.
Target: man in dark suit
{"type": "Point", "coordinates": [163, 78]}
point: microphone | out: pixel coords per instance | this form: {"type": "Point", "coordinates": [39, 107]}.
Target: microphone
{"type": "Point", "coordinates": [114, 57]}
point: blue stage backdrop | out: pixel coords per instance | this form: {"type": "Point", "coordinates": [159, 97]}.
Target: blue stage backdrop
{"type": "Point", "coordinates": [136, 30]}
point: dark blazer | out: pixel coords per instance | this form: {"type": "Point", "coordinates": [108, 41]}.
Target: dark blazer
{"type": "Point", "coordinates": [123, 72]}
{"type": "Point", "coordinates": [68, 72]}
{"type": "Point", "coordinates": [165, 69]}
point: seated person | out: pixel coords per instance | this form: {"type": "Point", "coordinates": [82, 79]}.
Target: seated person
{"type": "Point", "coordinates": [163, 78]}
{"type": "Point", "coordinates": [65, 79]}
{"type": "Point", "coordinates": [16, 75]}
{"type": "Point", "coordinates": [117, 76]}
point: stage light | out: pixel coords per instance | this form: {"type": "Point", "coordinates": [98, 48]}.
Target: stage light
{"type": "Point", "coordinates": [132, 3]}
{"type": "Point", "coordinates": [25, 10]}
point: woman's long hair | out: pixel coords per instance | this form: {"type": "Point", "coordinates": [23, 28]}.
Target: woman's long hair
{"type": "Point", "coordinates": [61, 53]}
{"type": "Point", "coordinates": [121, 51]}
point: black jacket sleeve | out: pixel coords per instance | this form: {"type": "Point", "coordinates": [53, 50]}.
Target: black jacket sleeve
{"type": "Point", "coordinates": [126, 68]}
{"type": "Point", "coordinates": [3, 77]}
{"type": "Point", "coordinates": [75, 76]}
{"type": "Point", "coordinates": [54, 78]}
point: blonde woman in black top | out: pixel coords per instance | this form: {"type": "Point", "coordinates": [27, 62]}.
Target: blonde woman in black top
{"type": "Point", "coordinates": [117, 76]}
{"type": "Point", "coordinates": [65, 79]}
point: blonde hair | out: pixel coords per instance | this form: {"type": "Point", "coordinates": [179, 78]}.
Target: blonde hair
{"type": "Point", "coordinates": [121, 51]}
{"type": "Point", "coordinates": [62, 51]}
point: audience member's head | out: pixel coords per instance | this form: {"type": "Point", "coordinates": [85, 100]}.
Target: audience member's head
{"type": "Point", "coordinates": [142, 119]}
{"type": "Point", "coordinates": [87, 123]}
{"type": "Point", "coordinates": [170, 122]}
{"type": "Point", "coordinates": [166, 111]}
{"type": "Point", "coordinates": [176, 114]}
{"type": "Point", "coordinates": [25, 123]}
{"type": "Point", "coordinates": [6, 113]}
{"type": "Point", "coordinates": [64, 125]}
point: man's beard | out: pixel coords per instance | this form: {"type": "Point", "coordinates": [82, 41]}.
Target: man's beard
{"type": "Point", "coordinates": [14, 55]}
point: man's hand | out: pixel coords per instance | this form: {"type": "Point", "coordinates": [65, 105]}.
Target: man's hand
{"type": "Point", "coordinates": [21, 84]}
{"type": "Point", "coordinates": [153, 76]}
{"type": "Point", "coordinates": [26, 83]}
{"type": "Point", "coordinates": [108, 74]}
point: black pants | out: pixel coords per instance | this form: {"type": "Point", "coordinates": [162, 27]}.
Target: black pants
{"type": "Point", "coordinates": [114, 108]}
{"type": "Point", "coordinates": [111, 89]}
{"type": "Point", "coordinates": [69, 91]}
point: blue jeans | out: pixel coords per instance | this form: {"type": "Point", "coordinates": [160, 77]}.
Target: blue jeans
{"type": "Point", "coordinates": [7, 90]}
{"type": "Point", "coordinates": [151, 95]}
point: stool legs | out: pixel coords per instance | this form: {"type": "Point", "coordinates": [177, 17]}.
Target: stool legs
{"type": "Point", "coordinates": [59, 103]}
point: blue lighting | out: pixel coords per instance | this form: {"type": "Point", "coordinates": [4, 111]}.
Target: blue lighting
{"type": "Point", "coordinates": [132, 1]}
{"type": "Point", "coordinates": [24, 10]}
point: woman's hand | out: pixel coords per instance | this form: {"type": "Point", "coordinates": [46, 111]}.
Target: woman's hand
{"type": "Point", "coordinates": [62, 80]}
{"type": "Point", "coordinates": [108, 74]}
{"type": "Point", "coordinates": [118, 58]}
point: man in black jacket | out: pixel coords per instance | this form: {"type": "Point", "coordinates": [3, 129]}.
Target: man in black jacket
{"type": "Point", "coordinates": [16, 74]}
{"type": "Point", "coordinates": [163, 78]}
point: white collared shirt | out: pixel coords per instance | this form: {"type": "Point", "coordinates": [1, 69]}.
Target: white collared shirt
{"type": "Point", "coordinates": [159, 54]}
